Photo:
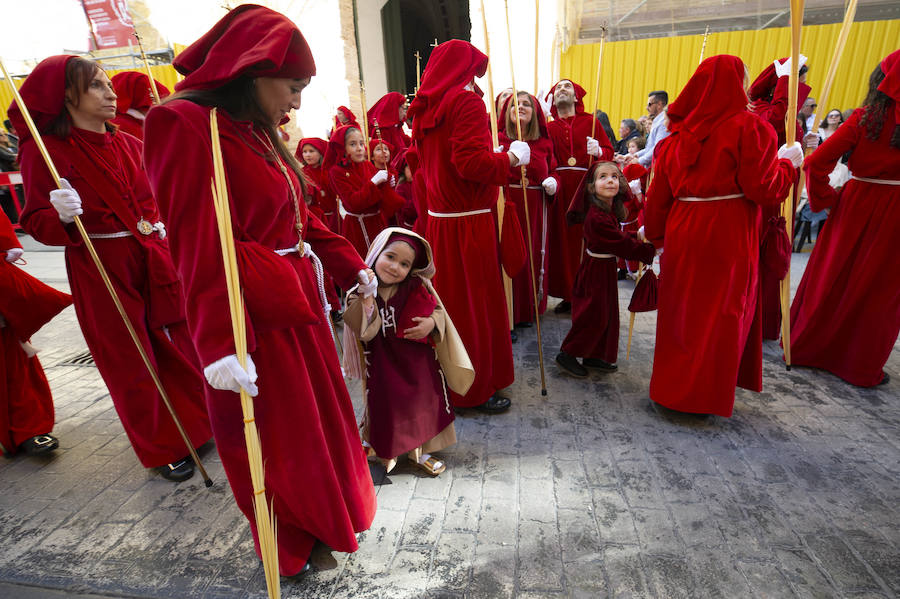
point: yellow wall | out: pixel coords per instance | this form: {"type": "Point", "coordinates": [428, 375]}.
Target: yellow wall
{"type": "Point", "coordinates": [632, 68]}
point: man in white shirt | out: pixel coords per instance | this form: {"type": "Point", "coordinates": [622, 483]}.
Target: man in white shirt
{"type": "Point", "coordinates": [656, 109]}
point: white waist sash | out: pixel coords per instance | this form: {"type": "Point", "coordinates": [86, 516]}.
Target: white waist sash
{"type": "Point", "coordinates": [730, 196]}
{"type": "Point", "coordinates": [116, 235]}
{"type": "Point", "coordinates": [593, 255]}
{"type": "Point", "coordinates": [571, 168]}
{"type": "Point", "coordinates": [458, 214]}
{"type": "Point", "coordinates": [358, 215]}
{"type": "Point", "coordinates": [876, 181]}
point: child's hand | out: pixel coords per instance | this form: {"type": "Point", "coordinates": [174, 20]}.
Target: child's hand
{"type": "Point", "coordinates": [421, 330]}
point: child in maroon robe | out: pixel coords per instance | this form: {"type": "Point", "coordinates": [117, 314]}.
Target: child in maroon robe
{"type": "Point", "coordinates": [594, 335]}
{"type": "Point", "coordinates": [407, 403]}
{"type": "Point", "coordinates": [311, 154]}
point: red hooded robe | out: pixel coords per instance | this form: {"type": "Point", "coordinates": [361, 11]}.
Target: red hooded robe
{"type": "Point", "coordinates": [707, 334]}
{"type": "Point", "coordinates": [133, 98]}
{"type": "Point", "coordinates": [317, 480]}
{"type": "Point", "coordinates": [387, 112]}
{"type": "Point", "coordinates": [461, 173]}
{"type": "Point", "coordinates": [846, 315]}
{"type": "Point", "coordinates": [326, 199]}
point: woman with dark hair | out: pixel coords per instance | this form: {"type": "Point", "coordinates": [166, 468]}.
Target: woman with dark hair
{"type": "Point", "coordinates": [833, 120]}
{"type": "Point", "coordinates": [846, 315]}
{"type": "Point", "coordinates": [252, 67]}
{"type": "Point", "coordinates": [72, 103]}
{"type": "Point", "coordinates": [718, 167]}
{"type": "Point", "coordinates": [542, 183]}
{"type": "Point", "coordinates": [603, 119]}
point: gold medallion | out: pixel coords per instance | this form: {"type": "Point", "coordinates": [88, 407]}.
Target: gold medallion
{"type": "Point", "coordinates": [144, 227]}
{"type": "Point", "coordinates": [572, 161]}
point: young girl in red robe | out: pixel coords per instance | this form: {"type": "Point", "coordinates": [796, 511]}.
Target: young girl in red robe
{"type": "Point", "coordinates": [542, 181]}
{"type": "Point", "coordinates": [387, 116]}
{"type": "Point", "coordinates": [71, 101]}
{"type": "Point", "coordinates": [365, 192]}
{"type": "Point", "coordinates": [134, 100]}
{"type": "Point", "coordinates": [412, 354]}
{"type": "Point", "coordinates": [317, 479]}
{"type": "Point", "coordinates": [311, 154]}
{"type": "Point", "coordinates": [846, 315]}
{"type": "Point", "coordinates": [594, 335]}
{"type": "Point", "coordinates": [381, 152]}
{"type": "Point", "coordinates": [711, 176]}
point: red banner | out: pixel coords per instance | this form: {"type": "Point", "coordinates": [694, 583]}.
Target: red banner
{"type": "Point", "coordinates": [111, 25]}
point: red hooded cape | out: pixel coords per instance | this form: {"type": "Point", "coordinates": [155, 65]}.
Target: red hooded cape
{"type": "Point", "coordinates": [44, 92]}
{"type": "Point", "coordinates": [133, 91]}
{"type": "Point", "coordinates": [579, 98]}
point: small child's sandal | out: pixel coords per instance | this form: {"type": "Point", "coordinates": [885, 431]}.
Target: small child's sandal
{"type": "Point", "coordinates": [432, 466]}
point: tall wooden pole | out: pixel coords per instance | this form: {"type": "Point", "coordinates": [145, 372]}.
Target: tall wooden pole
{"type": "Point", "coordinates": [597, 83]}
{"type": "Point", "coordinates": [524, 183]}
{"type": "Point", "coordinates": [537, 25]}
{"type": "Point", "coordinates": [703, 47]}
{"type": "Point", "coordinates": [153, 89]}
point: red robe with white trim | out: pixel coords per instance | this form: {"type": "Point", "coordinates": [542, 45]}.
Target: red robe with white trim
{"type": "Point", "coordinates": [359, 196]}
{"type": "Point", "coordinates": [317, 478]}
{"type": "Point", "coordinates": [846, 315]}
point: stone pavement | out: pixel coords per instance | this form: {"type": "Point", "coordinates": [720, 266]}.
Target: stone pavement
{"type": "Point", "coordinates": [588, 493]}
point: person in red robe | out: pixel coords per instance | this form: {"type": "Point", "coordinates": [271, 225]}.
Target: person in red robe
{"type": "Point", "coordinates": [134, 99]}
{"type": "Point", "coordinates": [461, 173]}
{"type": "Point", "coordinates": [343, 116]}
{"type": "Point", "coordinates": [769, 95]}
{"type": "Point", "coordinates": [26, 403]}
{"type": "Point", "coordinates": [317, 479]}
{"type": "Point", "coordinates": [71, 101]}
{"type": "Point", "coordinates": [719, 165]}
{"type": "Point", "coordinates": [541, 186]}
{"type": "Point", "coordinates": [574, 148]}
{"type": "Point", "coordinates": [594, 335]}
{"type": "Point", "coordinates": [388, 115]}
{"type": "Point", "coordinates": [381, 153]}
{"type": "Point", "coordinates": [311, 154]}
{"type": "Point", "coordinates": [637, 177]}
{"type": "Point", "coordinates": [420, 193]}
{"type": "Point", "coordinates": [406, 216]}
{"type": "Point", "coordinates": [365, 191]}
{"type": "Point", "coordinates": [845, 317]}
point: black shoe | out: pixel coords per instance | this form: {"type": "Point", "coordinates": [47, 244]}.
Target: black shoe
{"type": "Point", "coordinates": [524, 325]}
{"type": "Point", "coordinates": [494, 405]}
{"type": "Point", "coordinates": [178, 471]}
{"type": "Point", "coordinates": [39, 445]}
{"type": "Point", "coordinates": [570, 365]}
{"type": "Point", "coordinates": [622, 274]}
{"type": "Point", "coordinates": [513, 336]}
{"type": "Point", "coordinates": [563, 307]}
{"type": "Point", "coordinates": [306, 568]}
{"type": "Point", "coordinates": [885, 379]}
{"type": "Point", "coordinates": [599, 364]}
{"type": "Point", "coordinates": [336, 316]}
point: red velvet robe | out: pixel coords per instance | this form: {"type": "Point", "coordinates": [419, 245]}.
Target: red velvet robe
{"type": "Point", "coordinates": [311, 196]}
{"type": "Point", "coordinates": [406, 217]}
{"type": "Point", "coordinates": [325, 196]}
{"type": "Point", "coordinates": [367, 205]}
{"type": "Point", "coordinates": [846, 315]}
{"type": "Point", "coordinates": [129, 124]}
{"type": "Point", "coordinates": [26, 404]}
{"type": "Point", "coordinates": [141, 270]}
{"type": "Point", "coordinates": [461, 173]}
{"type": "Point", "coordinates": [634, 218]}
{"type": "Point", "coordinates": [316, 472]}
{"type": "Point", "coordinates": [773, 112]}
{"type": "Point", "coordinates": [707, 337]}
{"type": "Point", "coordinates": [595, 296]}
{"type": "Point", "coordinates": [569, 137]}
{"type": "Point", "coordinates": [541, 166]}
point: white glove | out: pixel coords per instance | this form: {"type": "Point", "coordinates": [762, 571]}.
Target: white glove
{"type": "Point", "coordinates": [783, 69]}
{"type": "Point", "coordinates": [66, 201]}
{"type": "Point", "coordinates": [521, 151]}
{"type": "Point", "coordinates": [635, 187]}
{"type": "Point", "coordinates": [811, 141]}
{"type": "Point", "coordinates": [546, 103]}
{"type": "Point", "coordinates": [640, 234]}
{"type": "Point", "coordinates": [549, 185]}
{"type": "Point", "coordinates": [793, 152]}
{"type": "Point", "coordinates": [369, 287]}
{"type": "Point", "coordinates": [593, 146]}
{"type": "Point", "coordinates": [227, 375]}
{"type": "Point", "coordinates": [380, 177]}
{"type": "Point", "coordinates": [13, 254]}
{"type": "Point", "coordinates": [498, 149]}
{"type": "Point", "coordinates": [160, 228]}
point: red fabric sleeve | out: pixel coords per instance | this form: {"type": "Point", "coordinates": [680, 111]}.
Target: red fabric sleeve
{"type": "Point", "coordinates": [8, 239]}
{"type": "Point", "coordinates": [603, 236]}
{"type": "Point", "coordinates": [338, 256]}
{"type": "Point", "coordinates": [355, 198]}
{"type": "Point", "coordinates": [657, 205]}
{"type": "Point", "coordinates": [39, 219]}
{"type": "Point", "coordinates": [182, 189]}
{"type": "Point", "coordinates": [763, 178]}
{"type": "Point", "coordinates": [821, 162]}
{"type": "Point", "coordinates": [471, 152]}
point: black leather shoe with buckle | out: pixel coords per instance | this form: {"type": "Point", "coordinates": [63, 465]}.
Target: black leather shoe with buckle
{"type": "Point", "coordinates": [39, 445]}
{"type": "Point", "coordinates": [178, 471]}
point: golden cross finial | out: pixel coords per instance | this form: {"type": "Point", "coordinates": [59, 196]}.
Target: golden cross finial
{"type": "Point", "coordinates": [435, 43]}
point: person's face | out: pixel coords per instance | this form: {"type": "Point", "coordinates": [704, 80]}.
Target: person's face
{"type": "Point", "coordinates": [606, 182]}
{"type": "Point", "coordinates": [394, 263]}
{"type": "Point", "coordinates": [402, 111]}
{"type": "Point", "coordinates": [311, 156]}
{"type": "Point", "coordinates": [526, 110]}
{"type": "Point", "coordinates": [834, 118]}
{"type": "Point", "coordinates": [564, 93]}
{"type": "Point", "coordinates": [632, 147]}
{"type": "Point", "coordinates": [808, 107]}
{"type": "Point", "coordinates": [624, 129]}
{"type": "Point", "coordinates": [381, 154]}
{"type": "Point", "coordinates": [407, 174]}
{"type": "Point", "coordinates": [503, 97]}
{"type": "Point", "coordinates": [97, 104]}
{"type": "Point", "coordinates": [277, 96]}
{"type": "Point", "coordinates": [342, 119]}
{"type": "Point", "coordinates": [354, 146]}
{"type": "Point", "coordinates": [654, 105]}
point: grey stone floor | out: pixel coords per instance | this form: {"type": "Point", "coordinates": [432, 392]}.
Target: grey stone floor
{"type": "Point", "coordinates": [587, 493]}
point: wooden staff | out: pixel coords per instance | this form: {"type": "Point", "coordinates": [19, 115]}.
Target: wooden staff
{"type": "Point", "coordinates": [790, 137]}
{"type": "Point", "coordinates": [153, 89]}
{"type": "Point", "coordinates": [703, 47]}
{"type": "Point", "coordinates": [835, 61]}
{"type": "Point", "coordinates": [537, 24]}
{"type": "Point", "coordinates": [365, 119]}
{"type": "Point", "coordinates": [633, 314]}
{"type": "Point", "coordinates": [524, 183]}
{"type": "Point", "coordinates": [39, 142]}
{"type": "Point", "coordinates": [265, 516]}
{"type": "Point", "coordinates": [597, 86]}
{"type": "Point", "coordinates": [495, 137]}
{"type": "Point", "coordinates": [418, 71]}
